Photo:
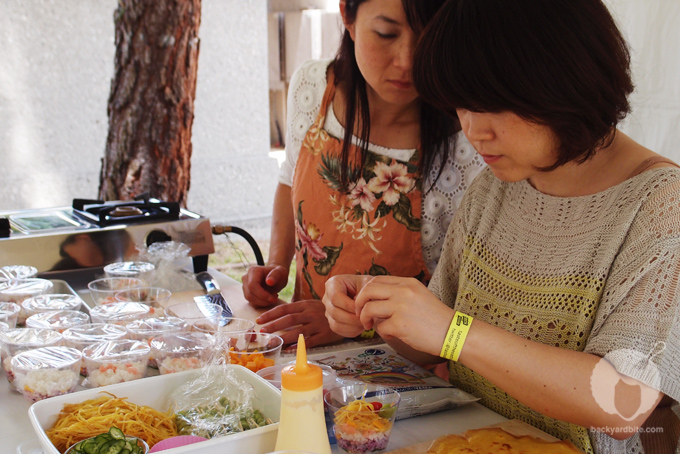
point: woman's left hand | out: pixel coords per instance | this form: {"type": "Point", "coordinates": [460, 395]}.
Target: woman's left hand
{"type": "Point", "coordinates": [405, 309]}
{"type": "Point", "coordinates": [306, 317]}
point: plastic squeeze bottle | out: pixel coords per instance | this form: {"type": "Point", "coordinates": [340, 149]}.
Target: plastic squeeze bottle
{"type": "Point", "coordinates": [302, 424]}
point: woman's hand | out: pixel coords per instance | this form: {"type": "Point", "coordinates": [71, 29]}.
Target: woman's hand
{"type": "Point", "coordinates": [306, 317]}
{"type": "Point", "coordinates": [262, 284]}
{"type": "Point", "coordinates": [339, 302]}
{"type": "Point", "coordinates": [403, 308]}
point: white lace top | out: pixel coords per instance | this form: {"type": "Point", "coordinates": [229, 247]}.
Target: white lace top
{"type": "Point", "coordinates": [598, 273]}
{"type": "Point", "coordinates": [307, 87]}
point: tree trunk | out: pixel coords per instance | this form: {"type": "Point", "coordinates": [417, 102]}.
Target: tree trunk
{"type": "Point", "coordinates": [151, 104]}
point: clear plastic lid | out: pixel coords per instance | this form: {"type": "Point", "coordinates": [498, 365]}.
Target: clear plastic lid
{"type": "Point", "coordinates": [120, 313]}
{"type": "Point", "coordinates": [117, 351]}
{"type": "Point", "coordinates": [57, 320]}
{"type": "Point", "coordinates": [51, 302]}
{"type": "Point", "coordinates": [128, 269]}
{"type": "Point", "coordinates": [18, 271]}
{"type": "Point", "coordinates": [4, 326]}
{"type": "Point", "coordinates": [90, 333]}
{"type": "Point", "coordinates": [29, 338]}
{"type": "Point", "coordinates": [156, 326]}
{"type": "Point", "coordinates": [9, 310]}
{"type": "Point", "coordinates": [46, 358]}
{"type": "Point", "coordinates": [20, 289]}
{"type": "Point", "coordinates": [182, 342]}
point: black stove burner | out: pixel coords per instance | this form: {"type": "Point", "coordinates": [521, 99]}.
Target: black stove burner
{"type": "Point", "coordinates": [134, 212]}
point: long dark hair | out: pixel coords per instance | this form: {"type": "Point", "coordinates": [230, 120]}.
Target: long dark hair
{"type": "Point", "coordinates": [436, 127]}
{"type": "Point", "coordinates": [559, 63]}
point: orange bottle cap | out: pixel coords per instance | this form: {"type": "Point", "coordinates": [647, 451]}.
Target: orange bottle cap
{"type": "Point", "coordinates": [301, 376]}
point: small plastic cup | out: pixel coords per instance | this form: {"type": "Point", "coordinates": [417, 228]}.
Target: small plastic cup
{"type": "Point", "coordinates": [111, 362]}
{"type": "Point", "coordinates": [46, 372]}
{"type": "Point", "coordinates": [18, 271]}
{"type": "Point", "coordinates": [19, 340]}
{"type": "Point", "coordinates": [146, 329]}
{"type": "Point", "coordinates": [156, 297]}
{"type": "Point", "coordinates": [18, 290]}
{"type": "Point", "coordinates": [51, 302]}
{"type": "Point", "coordinates": [4, 327]}
{"type": "Point", "coordinates": [204, 317]}
{"type": "Point", "coordinates": [104, 290]}
{"type": "Point", "coordinates": [9, 313]}
{"type": "Point", "coordinates": [87, 334]}
{"type": "Point", "coordinates": [139, 270]}
{"type": "Point", "coordinates": [376, 406]}
{"type": "Point", "coordinates": [120, 312]}
{"type": "Point", "coordinates": [57, 320]}
{"type": "Point", "coordinates": [273, 374]}
{"type": "Point", "coordinates": [235, 326]}
{"type": "Point", "coordinates": [254, 351]}
{"type": "Point", "coordinates": [181, 351]}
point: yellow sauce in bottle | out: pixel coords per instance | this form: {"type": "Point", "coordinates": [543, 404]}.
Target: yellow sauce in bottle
{"type": "Point", "coordinates": [302, 425]}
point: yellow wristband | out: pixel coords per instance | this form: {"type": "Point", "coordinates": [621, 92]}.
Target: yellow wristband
{"type": "Point", "coordinates": [455, 337]}
{"type": "Point", "coordinates": [368, 334]}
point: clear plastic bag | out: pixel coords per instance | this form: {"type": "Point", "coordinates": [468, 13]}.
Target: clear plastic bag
{"type": "Point", "coordinates": [215, 404]}
{"type": "Point", "coordinates": [171, 260]}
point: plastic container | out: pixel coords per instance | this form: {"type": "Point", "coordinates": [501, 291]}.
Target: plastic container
{"type": "Point", "coordinates": [4, 327]}
{"type": "Point", "coordinates": [51, 302]}
{"type": "Point", "coordinates": [181, 351]}
{"type": "Point", "coordinates": [156, 297]}
{"type": "Point", "coordinates": [19, 340]}
{"type": "Point", "coordinates": [235, 326]}
{"type": "Point", "coordinates": [254, 351]}
{"type": "Point", "coordinates": [118, 361]}
{"type": "Point", "coordinates": [82, 336]}
{"type": "Point", "coordinates": [103, 291]}
{"type": "Point", "coordinates": [19, 271]}
{"type": "Point", "coordinates": [57, 320]}
{"type": "Point", "coordinates": [80, 446]}
{"type": "Point", "coordinates": [204, 317]}
{"type": "Point", "coordinates": [120, 313]}
{"type": "Point", "coordinates": [9, 313]}
{"type": "Point", "coordinates": [46, 372]}
{"type": "Point", "coordinates": [273, 374]}
{"type": "Point", "coordinates": [139, 270]}
{"type": "Point", "coordinates": [378, 409]}
{"type": "Point", "coordinates": [147, 329]}
{"type": "Point", "coordinates": [16, 291]}
{"type": "Point", "coordinates": [302, 420]}
{"type": "Point", "coordinates": [154, 392]}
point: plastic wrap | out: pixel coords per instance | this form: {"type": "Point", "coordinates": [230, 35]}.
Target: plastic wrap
{"type": "Point", "coordinates": [51, 302]}
{"type": "Point", "coordinates": [57, 320]}
{"type": "Point", "coordinates": [117, 361]}
{"type": "Point", "coordinates": [217, 403]}
{"type": "Point", "coordinates": [120, 313]}
{"type": "Point", "coordinates": [177, 352]}
{"type": "Point", "coordinates": [46, 371]}
{"type": "Point", "coordinates": [170, 259]}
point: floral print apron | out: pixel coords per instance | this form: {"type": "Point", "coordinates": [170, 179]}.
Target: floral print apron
{"type": "Point", "coordinates": [373, 228]}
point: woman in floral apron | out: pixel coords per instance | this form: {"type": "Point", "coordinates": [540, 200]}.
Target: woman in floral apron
{"type": "Point", "coordinates": [352, 190]}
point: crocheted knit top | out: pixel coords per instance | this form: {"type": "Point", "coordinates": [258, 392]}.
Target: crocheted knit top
{"type": "Point", "coordinates": [597, 273]}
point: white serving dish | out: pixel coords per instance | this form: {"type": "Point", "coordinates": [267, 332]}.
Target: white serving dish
{"type": "Point", "coordinates": [153, 391]}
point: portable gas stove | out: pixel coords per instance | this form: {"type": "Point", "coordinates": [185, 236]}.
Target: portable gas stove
{"type": "Point", "coordinates": [93, 233]}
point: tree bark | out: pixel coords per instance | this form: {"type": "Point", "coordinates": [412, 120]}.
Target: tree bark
{"type": "Point", "coordinates": [151, 104]}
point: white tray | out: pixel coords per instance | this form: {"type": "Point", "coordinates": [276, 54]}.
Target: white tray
{"type": "Point", "coordinates": [153, 392]}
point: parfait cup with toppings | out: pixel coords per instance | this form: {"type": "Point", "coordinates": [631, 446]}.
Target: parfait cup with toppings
{"type": "Point", "coordinates": [104, 290]}
{"type": "Point", "coordinates": [181, 351]}
{"type": "Point", "coordinates": [120, 312]}
{"type": "Point", "coordinates": [362, 416]}
{"type": "Point", "coordinates": [57, 320]}
{"type": "Point", "coordinates": [19, 290]}
{"type": "Point", "coordinates": [147, 329]}
{"type": "Point", "coordinates": [18, 340]}
{"type": "Point", "coordinates": [46, 372]}
{"type": "Point", "coordinates": [9, 314]}
{"type": "Point", "coordinates": [82, 336]}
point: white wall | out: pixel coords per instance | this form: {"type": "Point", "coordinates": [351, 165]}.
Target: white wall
{"type": "Point", "coordinates": [652, 28]}
{"type": "Point", "coordinates": [56, 64]}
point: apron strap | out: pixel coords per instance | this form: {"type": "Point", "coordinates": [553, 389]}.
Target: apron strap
{"type": "Point", "coordinates": [649, 162]}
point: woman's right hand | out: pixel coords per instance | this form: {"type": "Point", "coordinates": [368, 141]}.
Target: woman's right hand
{"type": "Point", "coordinates": [262, 284]}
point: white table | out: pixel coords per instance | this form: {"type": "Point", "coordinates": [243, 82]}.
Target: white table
{"type": "Point", "coordinates": [17, 434]}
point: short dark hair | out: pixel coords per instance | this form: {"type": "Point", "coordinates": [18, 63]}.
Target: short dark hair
{"type": "Point", "coordinates": [436, 126]}
{"type": "Point", "coordinates": [559, 63]}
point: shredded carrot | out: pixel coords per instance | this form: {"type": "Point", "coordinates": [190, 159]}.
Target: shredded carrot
{"type": "Point", "coordinates": [92, 417]}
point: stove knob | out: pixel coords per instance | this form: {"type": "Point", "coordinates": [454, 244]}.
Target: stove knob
{"type": "Point", "coordinates": [4, 228]}
{"type": "Point", "coordinates": [157, 236]}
